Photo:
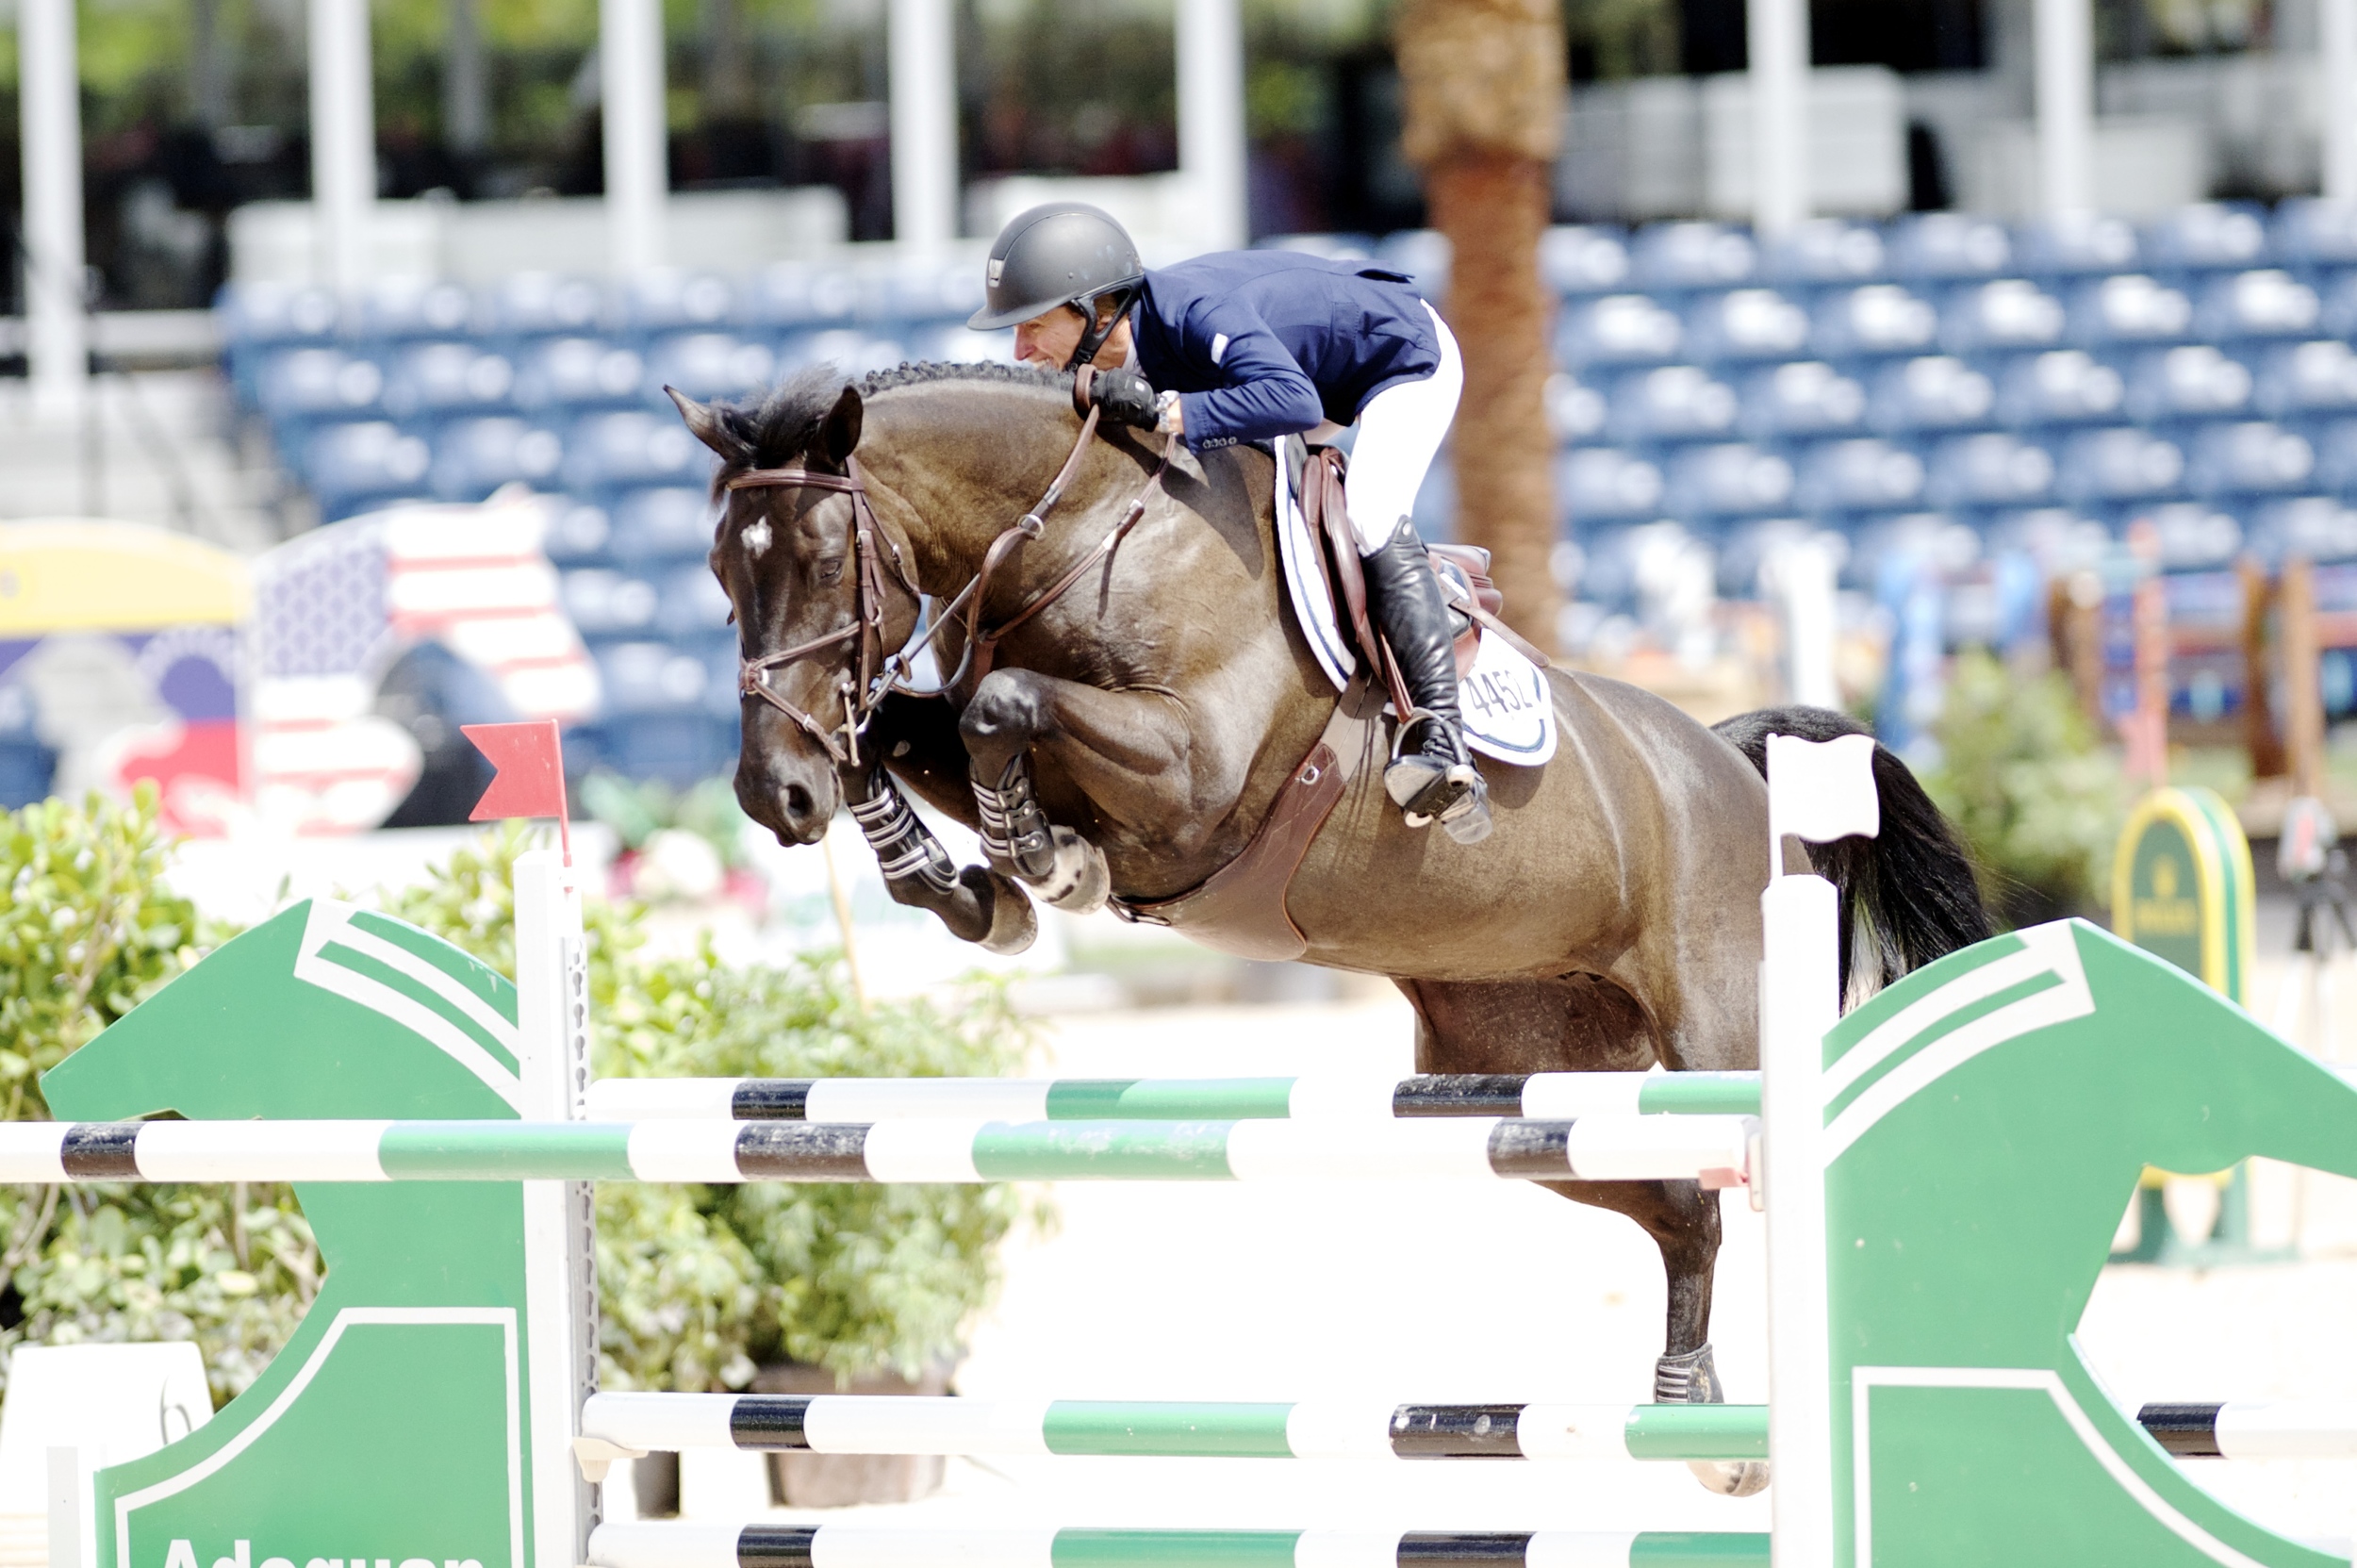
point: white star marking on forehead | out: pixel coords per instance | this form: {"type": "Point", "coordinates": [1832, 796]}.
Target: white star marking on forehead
{"type": "Point", "coordinates": [757, 538]}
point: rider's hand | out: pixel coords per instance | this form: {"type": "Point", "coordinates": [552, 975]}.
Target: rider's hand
{"type": "Point", "coordinates": [1126, 398]}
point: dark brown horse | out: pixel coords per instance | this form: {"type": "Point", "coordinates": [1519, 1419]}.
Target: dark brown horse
{"type": "Point", "coordinates": [1155, 709]}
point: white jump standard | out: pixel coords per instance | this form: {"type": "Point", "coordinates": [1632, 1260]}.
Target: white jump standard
{"type": "Point", "coordinates": [1544, 1096]}
{"type": "Point", "coordinates": [1713, 1149]}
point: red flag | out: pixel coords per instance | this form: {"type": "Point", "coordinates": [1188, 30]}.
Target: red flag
{"type": "Point", "coordinates": [528, 778]}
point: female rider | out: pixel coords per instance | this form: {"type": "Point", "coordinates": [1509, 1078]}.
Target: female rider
{"type": "Point", "coordinates": [1255, 345]}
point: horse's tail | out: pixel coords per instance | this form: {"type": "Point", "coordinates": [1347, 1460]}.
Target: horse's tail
{"type": "Point", "coordinates": [1908, 896]}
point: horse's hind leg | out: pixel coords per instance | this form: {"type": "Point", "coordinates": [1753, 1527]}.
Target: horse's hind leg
{"type": "Point", "coordinates": [1581, 1023]}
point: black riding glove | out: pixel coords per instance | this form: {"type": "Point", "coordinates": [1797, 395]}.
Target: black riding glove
{"type": "Point", "coordinates": [1126, 398]}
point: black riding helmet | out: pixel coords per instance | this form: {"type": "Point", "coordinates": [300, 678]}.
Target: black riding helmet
{"type": "Point", "coordinates": [1061, 252]}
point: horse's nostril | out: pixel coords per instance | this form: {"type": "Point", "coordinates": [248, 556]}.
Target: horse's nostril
{"type": "Point", "coordinates": [797, 803]}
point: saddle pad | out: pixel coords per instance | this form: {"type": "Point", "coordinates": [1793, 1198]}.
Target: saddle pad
{"type": "Point", "coordinates": [1508, 714]}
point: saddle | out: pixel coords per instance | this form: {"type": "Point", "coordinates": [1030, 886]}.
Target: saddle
{"type": "Point", "coordinates": [1317, 474]}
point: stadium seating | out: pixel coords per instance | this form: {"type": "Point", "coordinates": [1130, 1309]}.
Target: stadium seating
{"type": "Point", "coordinates": [1938, 386]}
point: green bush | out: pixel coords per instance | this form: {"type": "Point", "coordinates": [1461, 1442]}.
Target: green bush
{"type": "Point", "coordinates": [699, 1285]}
{"type": "Point", "coordinates": [2030, 785]}
{"type": "Point", "coordinates": [89, 930]}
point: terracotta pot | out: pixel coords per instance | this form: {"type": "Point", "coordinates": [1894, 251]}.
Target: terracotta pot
{"type": "Point", "coordinates": [841, 1480]}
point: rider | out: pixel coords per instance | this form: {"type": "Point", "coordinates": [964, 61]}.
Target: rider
{"type": "Point", "coordinates": [1254, 345]}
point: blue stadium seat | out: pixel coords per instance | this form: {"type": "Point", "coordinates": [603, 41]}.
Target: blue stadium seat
{"type": "Point", "coordinates": [1676, 402]}
{"type": "Point", "coordinates": [708, 365]}
{"type": "Point", "coordinates": [2074, 245]}
{"type": "Point", "coordinates": [2208, 237]}
{"type": "Point", "coordinates": [259, 314]}
{"type": "Point", "coordinates": [1994, 470]}
{"type": "Point", "coordinates": [2059, 386]}
{"type": "Point", "coordinates": [694, 605]}
{"type": "Point", "coordinates": [1824, 252]}
{"type": "Point", "coordinates": [679, 748]}
{"type": "Point", "coordinates": [1802, 397]}
{"type": "Point", "coordinates": [793, 295]}
{"type": "Point", "coordinates": [1423, 254]}
{"type": "Point", "coordinates": [531, 304]}
{"type": "Point", "coordinates": [1729, 480]}
{"type": "Point", "coordinates": [348, 466]}
{"type": "Point", "coordinates": [2195, 381]}
{"type": "Point", "coordinates": [434, 380]}
{"type": "Point", "coordinates": [474, 457]}
{"type": "Point", "coordinates": [1575, 411]}
{"type": "Point", "coordinates": [2193, 536]}
{"type": "Point", "coordinates": [673, 299]}
{"type": "Point", "coordinates": [1862, 475]}
{"type": "Point", "coordinates": [2248, 458]}
{"type": "Point", "coordinates": [318, 383]}
{"type": "Point", "coordinates": [953, 343]}
{"type": "Point", "coordinates": [850, 351]}
{"type": "Point", "coordinates": [651, 677]}
{"type": "Point", "coordinates": [633, 447]}
{"type": "Point", "coordinates": [399, 308]}
{"type": "Point", "coordinates": [579, 534]}
{"type": "Point", "coordinates": [1745, 325]}
{"type": "Point", "coordinates": [2121, 464]}
{"type": "Point", "coordinates": [1874, 320]}
{"type": "Point", "coordinates": [2128, 310]}
{"type": "Point", "coordinates": [2335, 442]}
{"type": "Point", "coordinates": [1606, 483]}
{"type": "Point", "coordinates": [2263, 302]}
{"type": "Point", "coordinates": [926, 289]}
{"type": "Point", "coordinates": [1675, 257]}
{"type": "Point", "coordinates": [2001, 315]}
{"type": "Point", "coordinates": [606, 604]}
{"type": "Point", "coordinates": [660, 524]}
{"type": "Point", "coordinates": [1931, 246]}
{"type": "Point", "coordinates": [1933, 391]}
{"type": "Point", "coordinates": [580, 373]}
{"type": "Point", "coordinates": [2320, 527]}
{"type": "Point", "coordinates": [1583, 260]}
{"type": "Point", "coordinates": [2315, 377]}
{"type": "Point", "coordinates": [2311, 232]}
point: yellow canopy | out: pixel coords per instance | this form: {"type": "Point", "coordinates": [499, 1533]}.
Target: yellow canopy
{"type": "Point", "coordinates": [71, 574]}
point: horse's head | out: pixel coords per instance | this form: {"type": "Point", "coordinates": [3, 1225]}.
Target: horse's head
{"type": "Point", "coordinates": [819, 594]}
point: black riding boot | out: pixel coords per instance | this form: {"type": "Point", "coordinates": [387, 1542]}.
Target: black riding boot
{"type": "Point", "coordinates": [1437, 781]}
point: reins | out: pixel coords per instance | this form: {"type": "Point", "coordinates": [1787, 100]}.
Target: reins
{"type": "Point", "coordinates": [880, 674]}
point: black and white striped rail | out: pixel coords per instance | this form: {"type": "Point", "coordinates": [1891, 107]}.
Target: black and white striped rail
{"type": "Point", "coordinates": [2256, 1430]}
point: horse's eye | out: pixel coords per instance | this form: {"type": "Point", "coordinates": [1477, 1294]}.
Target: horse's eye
{"type": "Point", "coordinates": [831, 570]}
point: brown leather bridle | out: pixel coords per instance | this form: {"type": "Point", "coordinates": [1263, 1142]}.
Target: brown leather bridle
{"type": "Point", "coordinates": [881, 673]}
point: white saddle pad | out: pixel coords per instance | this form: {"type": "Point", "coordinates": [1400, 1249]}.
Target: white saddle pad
{"type": "Point", "coordinates": [1504, 697]}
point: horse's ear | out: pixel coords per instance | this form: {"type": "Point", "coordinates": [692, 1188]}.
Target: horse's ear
{"type": "Point", "coordinates": [839, 435]}
{"type": "Point", "coordinates": [705, 423]}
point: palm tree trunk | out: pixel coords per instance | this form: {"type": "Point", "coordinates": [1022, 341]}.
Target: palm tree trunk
{"type": "Point", "coordinates": [1483, 83]}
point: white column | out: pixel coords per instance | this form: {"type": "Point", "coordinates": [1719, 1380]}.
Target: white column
{"type": "Point", "coordinates": [637, 179]}
{"type": "Point", "coordinates": [466, 112]}
{"type": "Point", "coordinates": [50, 119]}
{"type": "Point", "coordinates": [343, 142]}
{"type": "Point", "coordinates": [1799, 1002]}
{"type": "Point", "coordinates": [1778, 37]}
{"type": "Point", "coordinates": [1801, 577]}
{"type": "Point", "coordinates": [2337, 35]}
{"type": "Point", "coordinates": [1211, 119]}
{"type": "Point", "coordinates": [2066, 105]}
{"type": "Point", "coordinates": [922, 38]}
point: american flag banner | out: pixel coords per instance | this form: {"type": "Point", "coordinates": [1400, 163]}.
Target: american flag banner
{"type": "Point", "coordinates": [335, 607]}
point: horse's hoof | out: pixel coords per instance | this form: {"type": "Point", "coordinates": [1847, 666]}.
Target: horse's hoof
{"type": "Point", "coordinates": [1731, 1477]}
{"type": "Point", "coordinates": [1080, 881]}
{"type": "Point", "coordinates": [1013, 924]}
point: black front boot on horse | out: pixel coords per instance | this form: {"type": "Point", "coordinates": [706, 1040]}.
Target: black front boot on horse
{"type": "Point", "coordinates": [1436, 781]}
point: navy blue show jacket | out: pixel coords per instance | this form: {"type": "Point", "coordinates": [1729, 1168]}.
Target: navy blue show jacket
{"type": "Point", "coordinates": [1267, 343]}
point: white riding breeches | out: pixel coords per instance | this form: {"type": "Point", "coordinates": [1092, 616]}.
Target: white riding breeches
{"type": "Point", "coordinates": [1399, 431]}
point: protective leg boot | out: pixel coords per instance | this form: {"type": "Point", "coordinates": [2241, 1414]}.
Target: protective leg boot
{"type": "Point", "coordinates": [1437, 781]}
{"type": "Point", "coordinates": [1692, 1379]}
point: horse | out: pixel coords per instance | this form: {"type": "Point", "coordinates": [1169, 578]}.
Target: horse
{"type": "Point", "coordinates": [1128, 698]}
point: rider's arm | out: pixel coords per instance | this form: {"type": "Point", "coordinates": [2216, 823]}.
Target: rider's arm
{"type": "Point", "coordinates": [1267, 392]}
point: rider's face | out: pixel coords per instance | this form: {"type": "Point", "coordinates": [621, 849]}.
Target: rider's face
{"type": "Point", "coordinates": [1048, 341]}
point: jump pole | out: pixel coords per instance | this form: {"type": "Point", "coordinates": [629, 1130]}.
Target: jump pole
{"type": "Point", "coordinates": [672, 1546]}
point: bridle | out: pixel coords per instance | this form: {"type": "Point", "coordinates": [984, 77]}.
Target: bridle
{"type": "Point", "coordinates": [880, 674]}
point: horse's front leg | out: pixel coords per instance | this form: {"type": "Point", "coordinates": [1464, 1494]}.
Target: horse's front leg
{"type": "Point", "coordinates": [1126, 751]}
{"type": "Point", "coordinates": [976, 905]}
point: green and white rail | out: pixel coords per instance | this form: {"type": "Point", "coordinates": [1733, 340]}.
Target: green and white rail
{"type": "Point", "coordinates": [1544, 1096]}
{"type": "Point", "coordinates": [676, 1546]}
{"type": "Point", "coordinates": [1613, 1147]}
{"type": "Point", "coordinates": [855, 1424]}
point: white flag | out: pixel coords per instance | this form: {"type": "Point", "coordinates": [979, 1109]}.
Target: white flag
{"type": "Point", "coordinates": [1822, 790]}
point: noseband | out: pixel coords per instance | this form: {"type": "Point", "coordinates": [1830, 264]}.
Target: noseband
{"type": "Point", "coordinates": [880, 674]}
